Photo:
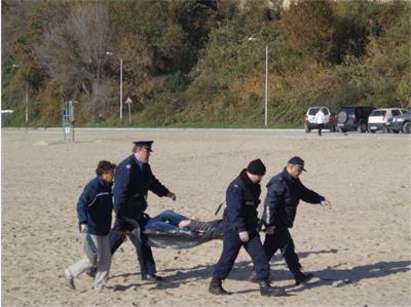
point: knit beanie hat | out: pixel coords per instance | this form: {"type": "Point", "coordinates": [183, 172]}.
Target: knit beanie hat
{"type": "Point", "coordinates": [256, 167]}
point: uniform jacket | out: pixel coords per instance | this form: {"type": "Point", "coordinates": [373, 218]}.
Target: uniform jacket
{"type": "Point", "coordinates": [242, 198]}
{"type": "Point", "coordinates": [94, 207]}
{"type": "Point", "coordinates": [283, 195]}
{"type": "Point", "coordinates": [131, 185]}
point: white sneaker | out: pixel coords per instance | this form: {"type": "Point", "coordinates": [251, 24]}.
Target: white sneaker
{"type": "Point", "coordinates": [101, 289]}
{"type": "Point", "coordinates": [70, 279]}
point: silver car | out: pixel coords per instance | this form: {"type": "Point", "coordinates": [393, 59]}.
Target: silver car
{"type": "Point", "coordinates": [401, 123]}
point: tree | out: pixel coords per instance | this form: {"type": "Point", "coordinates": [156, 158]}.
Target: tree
{"type": "Point", "coordinates": [74, 53]}
{"type": "Point", "coordinates": [310, 29]}
{"type": "Point", "coordinates": [137, 65]}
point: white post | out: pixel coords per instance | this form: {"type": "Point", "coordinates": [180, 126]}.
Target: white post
{"type": "Point", "coordinates": [266, 87]}
{"type": "Point", "coordinates": [121, 90]}
{"type": "Point", "coordinates": [27, 103]}
{"type": "Point", "coordinates": [72, 119]}
{"type": "Point", "coordinates": [129, 113]}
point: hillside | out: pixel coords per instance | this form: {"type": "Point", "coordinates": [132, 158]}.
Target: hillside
{"type": "Point", "coordinates": [201, 62]}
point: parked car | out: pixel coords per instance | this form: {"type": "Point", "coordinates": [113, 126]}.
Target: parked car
{"type": "Point", "coordinates": [379, 118]}
{"type": "Point", "coordinates": [309, 122]}
{"type": "Point", "coordinates": [388, 124]}
{"type": "Point", "coordinates": [353, 118]}
{"type": "Point", "coordinates": [402, 123]}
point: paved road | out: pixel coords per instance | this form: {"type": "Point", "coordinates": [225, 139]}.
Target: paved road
{"type": "Point", "coordinates": [237, 131]}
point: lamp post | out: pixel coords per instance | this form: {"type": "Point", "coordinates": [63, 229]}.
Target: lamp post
{"type": "Point", "coordinates": [121, 84]}
{"type": "Point", "coordinates": [266, 88]}
{"type": "Point", "coordinates": [266, 83]}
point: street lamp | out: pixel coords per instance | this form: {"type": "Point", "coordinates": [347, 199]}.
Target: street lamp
{"type": "Point", "coordinates": [266, 82]}
{"type": "Point", "coordinates": [27, 95]}
{"type": "Point", "coordinates": [121, 84]}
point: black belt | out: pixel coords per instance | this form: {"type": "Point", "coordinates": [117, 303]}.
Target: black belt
{"type": "Point", "coordinates": [139, 196]}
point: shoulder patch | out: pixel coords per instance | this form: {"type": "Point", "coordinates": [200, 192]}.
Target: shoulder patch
{"type": "Point", "coordinates": [128, 165]}
{"type": "Point", "coordinates": [236, 186]}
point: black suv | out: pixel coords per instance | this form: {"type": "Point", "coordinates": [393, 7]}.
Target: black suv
{"type": "Point", "coordinates": [353, 118]}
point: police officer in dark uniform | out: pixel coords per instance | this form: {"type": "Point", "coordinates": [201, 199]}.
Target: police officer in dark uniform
{"type": "Point", "coordinates": [133, 180]}
{"type": "Point", "coordinates": [240, 229]}
{"type": "Point", "coordinates": [284, 192]}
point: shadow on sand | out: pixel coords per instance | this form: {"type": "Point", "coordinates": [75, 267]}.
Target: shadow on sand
{"type": "Point", "coordinates": [331, 276]}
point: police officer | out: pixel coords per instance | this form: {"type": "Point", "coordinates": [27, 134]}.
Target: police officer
{"type": "Point", "coordinates": [284, 192]}
{"type": "Point", "coordinates": [132, 182]}
{"type": "Point", "coordinates": [240, 229]}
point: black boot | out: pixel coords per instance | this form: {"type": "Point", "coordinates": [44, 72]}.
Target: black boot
{"type": "Point", "coordinates": [301, 278]}
{"type": "Point", "coordinates": [267, 290]}
{"type": "Point", "coordinates": [216, 287]}
{"type": "Point", "coordinates": [151, 277]}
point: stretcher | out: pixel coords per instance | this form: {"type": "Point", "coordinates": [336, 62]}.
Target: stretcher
{"type": "Point", "coordinates": [199, 233]}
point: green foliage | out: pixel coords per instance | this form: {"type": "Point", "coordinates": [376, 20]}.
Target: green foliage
{"type": "Point", "coordinates": [310, 27]}
{"type": "Point", "coordinates": [198, 63]}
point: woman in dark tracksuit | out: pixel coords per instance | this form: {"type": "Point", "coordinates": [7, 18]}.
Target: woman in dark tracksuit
{"type": "Point", "coordinates": [94, 210]}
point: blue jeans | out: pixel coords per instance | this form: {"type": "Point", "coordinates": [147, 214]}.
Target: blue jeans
{"type": "Point", "coordinates": [166, 221]}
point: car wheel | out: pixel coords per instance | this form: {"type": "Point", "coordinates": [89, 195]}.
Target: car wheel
{"type": "Point", "coordinates": [406, 128]}
{"type": "Point", "coordinates": [372, 131]}
{"type": "Point", "coordinates": [342, 117]}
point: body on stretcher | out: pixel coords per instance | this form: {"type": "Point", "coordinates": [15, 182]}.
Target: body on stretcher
{"type": "Point", "coordinates": [162, 231]}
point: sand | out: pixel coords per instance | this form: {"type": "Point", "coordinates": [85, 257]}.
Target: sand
{"type": "Point", "coordinates": [360, 251]}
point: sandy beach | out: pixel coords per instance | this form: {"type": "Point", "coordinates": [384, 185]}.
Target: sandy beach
{"type": "Point", "coordinates": [359, 252]}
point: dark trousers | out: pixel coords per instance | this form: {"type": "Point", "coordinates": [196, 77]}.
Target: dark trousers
{"type": "Point", "coordinates": [231, 247]}
{"type": "Point", "coordinates": [143, 250]}
{"type": "Point", "coordinates": [281, 239]}
{"type": "Point", "coordinates": [320, 127]}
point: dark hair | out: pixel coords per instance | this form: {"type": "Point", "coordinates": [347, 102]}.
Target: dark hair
{"type": "Point", "coordinates": [104, 166]}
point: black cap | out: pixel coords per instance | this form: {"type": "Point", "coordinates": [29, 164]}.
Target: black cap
{"type": "Point", "coordinates": [146, 144]}
{"type": "Point", "coordinates": [297, 161]}
{"type": "Point", "coordinates": [256, 167]}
